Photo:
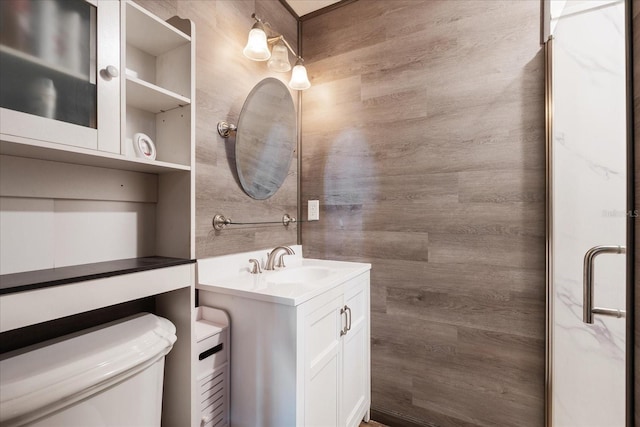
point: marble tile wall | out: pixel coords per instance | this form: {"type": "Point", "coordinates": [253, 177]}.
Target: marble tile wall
{"type": "Point", "coordinates": [589, 199]}
{"type": "Point", "coordinates": [423, 139]}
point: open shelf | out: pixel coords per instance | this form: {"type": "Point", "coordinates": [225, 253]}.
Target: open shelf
{"type": "Point", "coordinates": [21, 147]}
{"type": "Point", "coordinates": [157, 87]}
{"type": "Point", "coordinates": [30, 280]}
{"type": "Point", "coordinates": [150, 34]}
{"type": "Point", "coordinates": [109, 283]}
{"type": "Point", "coordinates": [149, 97]}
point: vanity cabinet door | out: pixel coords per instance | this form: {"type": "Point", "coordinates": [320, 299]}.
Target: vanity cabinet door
{"type": "Point", "coordinates": [355, 352]}
{"type": "Point", "coordinates": [323, 363]}
{"type": "Point", "coordinates": [336, 360]}
{"type": "Point", "coordinates": [59, 72]}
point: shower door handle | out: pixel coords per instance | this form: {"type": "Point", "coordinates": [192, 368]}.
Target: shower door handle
{"type": "Point", "coordinates": [588, 310]}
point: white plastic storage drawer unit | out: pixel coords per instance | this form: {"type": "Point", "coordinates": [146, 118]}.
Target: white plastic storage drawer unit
{"type": "Point", "coordinates": [212, 337]}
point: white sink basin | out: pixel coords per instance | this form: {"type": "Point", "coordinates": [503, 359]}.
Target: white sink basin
{"type": "Point", "coordinates": [303, 274]}
{"type": "Point", "coordinates": [301, 280]}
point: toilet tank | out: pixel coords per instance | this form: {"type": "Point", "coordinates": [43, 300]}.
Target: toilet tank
{"type": "Point", "coordinates": [110, 375]}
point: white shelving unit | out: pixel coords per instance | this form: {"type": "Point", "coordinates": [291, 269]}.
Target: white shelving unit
{"type": "Point", "coordinates": [158, 88]}
{"type": "Point", "coordinates": [157, 101]}
{"type": "Point", "coordinates": [158, 85]}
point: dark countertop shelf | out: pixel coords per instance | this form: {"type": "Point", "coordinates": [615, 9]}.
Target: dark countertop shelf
{"type": "Point", "coordinates": [30, 280]}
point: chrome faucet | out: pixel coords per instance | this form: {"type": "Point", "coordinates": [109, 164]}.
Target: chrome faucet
{"type": "Point", "coordinates": [272, 257]}
{"type": "Point", "coordinates": [256, 266]}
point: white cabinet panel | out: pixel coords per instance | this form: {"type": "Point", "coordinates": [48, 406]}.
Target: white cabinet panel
{"type": "Point", "coordinates": [27, 234]}
{"type": "Point", "coordinates": [323, 364]}
{"type": "Point", "coordinates": [108, 108]}
{"type": "Point", "coordinates": [322, 405]}
{"type": "Point", "coordinates": [96, 231]}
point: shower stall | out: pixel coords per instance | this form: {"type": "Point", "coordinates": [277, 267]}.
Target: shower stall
{"type": "Point", "coordinates": [588, 212]}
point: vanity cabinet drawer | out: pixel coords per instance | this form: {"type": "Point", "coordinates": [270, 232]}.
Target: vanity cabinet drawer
{"type": "Point", "coordinates": [212, 352]}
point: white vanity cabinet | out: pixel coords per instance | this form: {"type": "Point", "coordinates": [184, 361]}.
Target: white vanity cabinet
{"type": "Point", "coordinates": [299, 365]}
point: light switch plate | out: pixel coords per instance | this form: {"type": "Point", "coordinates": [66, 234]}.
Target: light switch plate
{"type": "Point", "coordinates": [313, 211]}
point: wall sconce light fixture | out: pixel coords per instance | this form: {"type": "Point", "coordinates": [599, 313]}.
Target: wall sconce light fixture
{"type": "Point", "coordinates": [257, 49]}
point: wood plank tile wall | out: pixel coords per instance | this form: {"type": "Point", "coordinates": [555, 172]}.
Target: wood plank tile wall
{"type": "Point", "coordinates": [423, 139]}
{"type": "Point", "coordinates": [224, 78]}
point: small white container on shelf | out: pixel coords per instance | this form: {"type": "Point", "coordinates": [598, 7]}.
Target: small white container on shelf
{"type": "Point", "coordinates": [212, 338]}
{"type": "Point", "coordinates": [144, 146]}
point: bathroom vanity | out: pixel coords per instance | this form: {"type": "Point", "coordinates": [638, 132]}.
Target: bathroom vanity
{"type": "Point", "coordinates": [300, 339]}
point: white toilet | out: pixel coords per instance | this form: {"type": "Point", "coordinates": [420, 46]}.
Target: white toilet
{"type": "Point", "coordinates": [110, 375]}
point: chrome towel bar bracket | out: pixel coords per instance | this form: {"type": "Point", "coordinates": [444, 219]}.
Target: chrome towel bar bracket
{"type": "Point", "coordinates": [225, 128]}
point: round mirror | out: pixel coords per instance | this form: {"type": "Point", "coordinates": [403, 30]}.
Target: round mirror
{"type": "Point", "coordinates": [266, 138]}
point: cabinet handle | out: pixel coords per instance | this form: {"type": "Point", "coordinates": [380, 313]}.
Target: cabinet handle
{"type": "Point", "coordinates": [344, 330]}
{"type": "Point", "coordinates": [211, 351]}
{"type": "Point", "coordinates": [588, 310]}
{"type": "Point", "coordinates": [349, 317]}
{"type": "Point", "coordinates": [110, 72]}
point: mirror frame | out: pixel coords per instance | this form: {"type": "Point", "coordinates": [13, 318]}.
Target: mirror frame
{"type": "Point", "coordinates": [267, 142]}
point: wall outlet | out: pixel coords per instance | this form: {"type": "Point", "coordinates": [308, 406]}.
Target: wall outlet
{"type": "Point", "coordinates": [313, 211]}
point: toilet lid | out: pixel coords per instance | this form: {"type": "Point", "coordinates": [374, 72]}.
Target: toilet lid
{"type": "Point", "coordinates": [55, 374]}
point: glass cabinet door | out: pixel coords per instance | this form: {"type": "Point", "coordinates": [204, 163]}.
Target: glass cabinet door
{"type": "Point", "coordinates": [50, 71]}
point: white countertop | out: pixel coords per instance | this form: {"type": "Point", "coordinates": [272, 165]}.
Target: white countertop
{"type": "Point", "coordinates": [230, 275]}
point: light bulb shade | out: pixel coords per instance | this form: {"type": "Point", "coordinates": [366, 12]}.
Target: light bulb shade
{"type": "Point", "coordinates": [299, 79]}
{"type": "Point", "coordinates": [279, 60]}
{"type": "Point", "coordinates": [257, 48]}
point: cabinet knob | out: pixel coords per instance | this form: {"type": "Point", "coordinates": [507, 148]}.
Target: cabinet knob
{"type": "Point", "coordinates": [110, 72]}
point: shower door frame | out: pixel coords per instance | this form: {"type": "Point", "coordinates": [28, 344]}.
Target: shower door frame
{"type": "Point", "coordinates": [630, 381]}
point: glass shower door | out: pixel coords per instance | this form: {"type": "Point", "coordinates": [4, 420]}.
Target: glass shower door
{"type": "Point", "coordinates": [588, 215]}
